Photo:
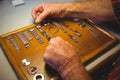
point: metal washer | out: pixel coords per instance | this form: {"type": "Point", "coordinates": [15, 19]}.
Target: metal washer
{"type": "Point", "coordinates": [39, 76]}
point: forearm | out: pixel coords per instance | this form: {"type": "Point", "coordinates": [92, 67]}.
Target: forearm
{"type": "Point", "coordinates": [99, 10]}
{"type": "Point", "coordinates": [77, 9]}
{"type": "Point", "coordinates": [73, 70]}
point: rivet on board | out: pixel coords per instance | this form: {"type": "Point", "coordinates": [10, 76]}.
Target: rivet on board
{"type": "Point", "coordinates": [25, 62]}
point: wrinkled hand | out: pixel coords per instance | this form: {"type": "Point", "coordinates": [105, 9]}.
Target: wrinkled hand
{"type": "Point", "coordinates": [43, 10]}
{"type": "Point", "coordinates": [61, 56]}
{"type": "Point", "coordinates": [59, 53]}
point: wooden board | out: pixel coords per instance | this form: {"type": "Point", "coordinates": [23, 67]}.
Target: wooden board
{"type": "Point", "coordinates": [88, 46]}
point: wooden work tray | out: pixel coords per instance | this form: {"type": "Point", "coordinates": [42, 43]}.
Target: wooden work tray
{"type": "Point", "coordinates": [89, 45]}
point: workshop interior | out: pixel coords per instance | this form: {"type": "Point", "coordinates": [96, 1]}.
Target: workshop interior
{"type": "Point", "coordinates": [23, 42]}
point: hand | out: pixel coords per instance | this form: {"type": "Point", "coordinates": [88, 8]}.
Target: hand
{"type": "Point", "coordinates": [59, 52]}
{"type": "Point", "coordinates": [61, 56]}
{"type": "Point", "coordinates": [43, 10]}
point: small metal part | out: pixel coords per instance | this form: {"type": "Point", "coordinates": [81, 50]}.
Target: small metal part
{"type": "Point", "coordinates": [25, 62]}
{"type": "Point", "coordinates": [39, 77]}
{"type": "Point", "coordinates": [32, 70]}
{"type": "Point", "coordinates": [43, 32]}
{"type": "Point", "coordinates": [77, 33]}
{"type": "Point", "coordinates": [74, 31]}
{"type": "Point", "coordinates": [59, 26]}
{"type": "Point", "coordinates": [14, 43]}
{"type": "Point", "coordinates": [36, 35]}
{"type": "Point", "coordinates": [76, 19]}
{"type": "Point", "coordinates": [93, 33]}
{"type": "Point", "coordinates": [46, 24]}
{"type": "Point", "coordinates": [82, 24]}
{"type": "Point", "coordinates": [72, 37]}
{"type": "Point", "coordinates": [27, 35]}
{"type": "Point", "coordinates": [24, 41]}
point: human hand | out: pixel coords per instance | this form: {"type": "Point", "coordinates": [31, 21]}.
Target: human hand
{"type": "Point", "coordinates": [59, 52]}
{"type": "Point", "coordinates": [43, 10]}
{"type": "Point", "coordinates": [61, 56]}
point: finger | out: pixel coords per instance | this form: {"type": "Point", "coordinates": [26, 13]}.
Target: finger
{"type": "Point", "coordinates": [37, 9]}
{"type": "Point", "coordinates": [34, 14]}
{"type": "Point", "coordinates": [42, 16]}
{"type": "Point", "coordinates": [56, 39]}
{"type": "Point", "coordinates": [52, 41]}
{"type": "Point", "coordinates": [59, 39]}
{"type": "Point", "coordinates": [68, 43]}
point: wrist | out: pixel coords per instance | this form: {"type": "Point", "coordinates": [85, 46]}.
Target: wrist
{"type": "Point", "coordinates": [70, 68]}
{"type": "Point", "coordinates": [73, 69]}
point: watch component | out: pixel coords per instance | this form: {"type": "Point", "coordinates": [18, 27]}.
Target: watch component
{"type": "Point", "coordinates": [14, 43]}
{"type": "Point", "coordinates": [43, 32]}
{"type": "Point", "coordinates": [53, 29]}
{"type": "Point", "coordinates": [24, 41]}
{"type": "Point", "coordinates": [36, 35]}
{"type": "Point", "coordinates": [82, 24]}
{"type": "Point", "coordinates": [93, 33]}
{"type": "Point", "coordinates": [59, 26]}
{"type": "Point", "coordinates": [76, 19]}
{"type": "Point", "coordinates": [27, 35]}
{"type": "Point", "coordinates": [74, 31]}
{"type": "Point", "coordinates": [46, 24]}
{"type": "Point", "coordinates": [39, 77]}
{"type": "Point", "coordinates": [25, 62]}
{"type": "Point", "coordinates": [32, 70]}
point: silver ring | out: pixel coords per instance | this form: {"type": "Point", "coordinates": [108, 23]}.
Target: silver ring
{"type": "Point", "coordinates": [39, 76]}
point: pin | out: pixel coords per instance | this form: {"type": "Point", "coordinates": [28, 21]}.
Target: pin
{"type": "Point", "coordinates": [59, 26]}
{"type": "Point", "coordinates": [43, 32]}
{"type": "Point", "coordinates": [74, 31]}
{"type": "Point", "coordinates": [36, 35]}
